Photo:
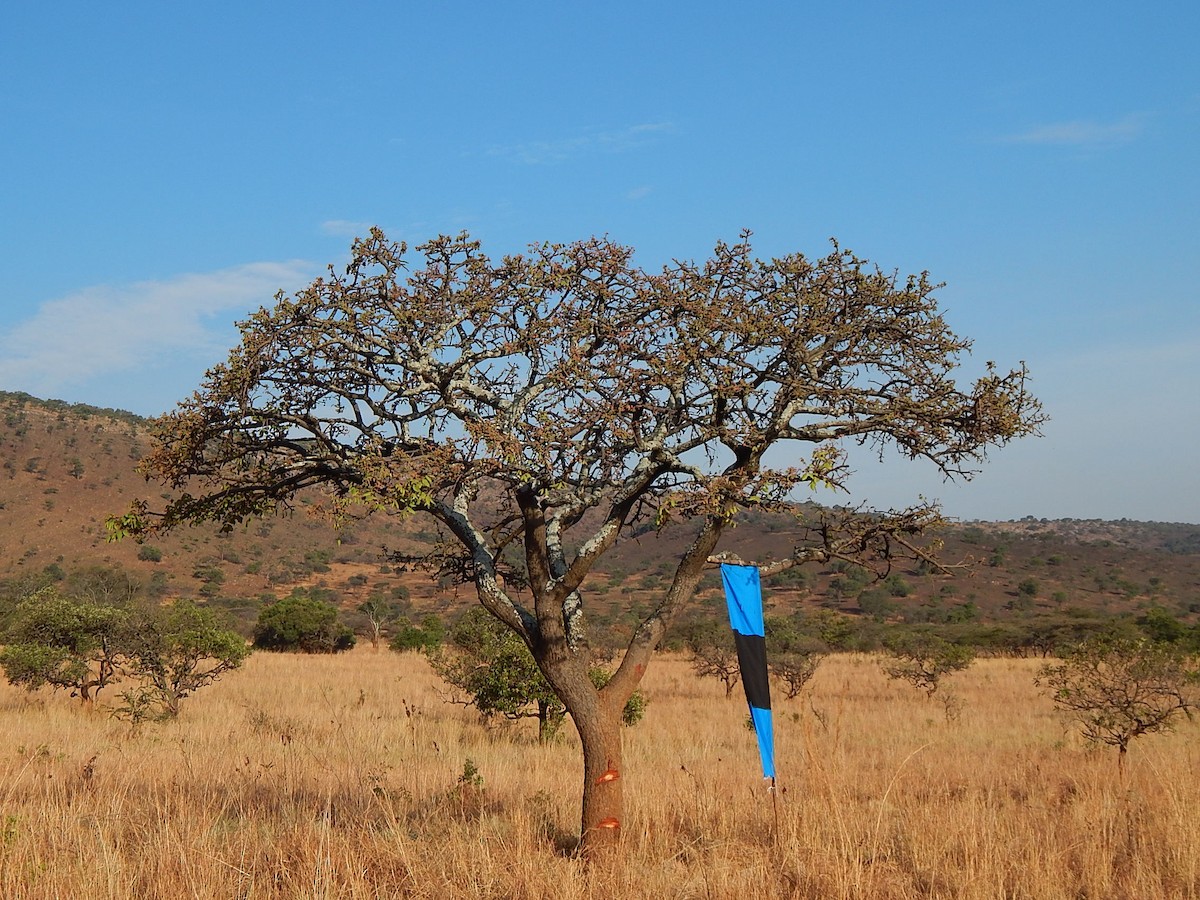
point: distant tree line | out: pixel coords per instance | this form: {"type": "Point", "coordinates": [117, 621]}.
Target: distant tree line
{"type": "Point", "coordinates": [82, 410]}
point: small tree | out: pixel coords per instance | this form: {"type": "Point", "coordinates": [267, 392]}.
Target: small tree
{"type": "Point", "coordinates": [1119, 688]}
{"type": "Point", "coordinates": [922, 659]}
{"type": "Point", "coordinates": [302, 623]}
{"type": "Point", "coordinates": [379, 613]}
{"type": "Point", "coordinates": [713, 653]}
{"type": "Point", "coordinates": [792, 657]}
{"type": "Point", "coordinates": [66, 643]}
{"type": "Point", "coordinates": [176, 650]}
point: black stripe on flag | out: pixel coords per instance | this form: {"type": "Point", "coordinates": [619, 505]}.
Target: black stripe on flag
{"type": "Point", "coordinates": [752, 658]}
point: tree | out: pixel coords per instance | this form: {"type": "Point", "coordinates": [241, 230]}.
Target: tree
{"type": "Point", "coordinates": [876, 603]}
{"type": "Point", "coordinates": [539, 406]}
{"type": "Point", "coordinates": [1119, 688]}
{"type": "Point", "coordinates": [74, 644]}
{"type": "Point", "coordinates": [67, 643]}
{"type": "Point", "coordinates": [302, 623]}
{"type": "Point", "coordinates": [713, 653]}
{"type": "Point", "coordinates": [922, 659]}
{"type": "Point", "coordinates": [1161, 627]}
{"type": "Point", "coordinates": [792, 656]}
{"type": "Point", "coordinates": [379, 613]}
{"type": "Point", "coordinates": [174, 651]}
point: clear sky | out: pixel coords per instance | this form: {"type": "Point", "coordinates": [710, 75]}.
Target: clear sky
{"type": "Point", "coordinates": [165, 168]}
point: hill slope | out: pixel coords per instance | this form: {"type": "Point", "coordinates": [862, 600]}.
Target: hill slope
{"type": "Point", "coordinates": [65, 468]}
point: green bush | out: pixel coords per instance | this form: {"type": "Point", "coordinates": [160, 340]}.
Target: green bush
{"type": "Point", "coordinates": [302, 624]}
{"type": "Point", "coordinates": [425, 637]}
{"type": "Point", "coordinates": [486, 660]}
{"type": "Point", "coordinates": [149, 553]}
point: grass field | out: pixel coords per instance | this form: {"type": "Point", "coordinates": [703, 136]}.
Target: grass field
{"type": "Point", "coordinates": [349, 777]}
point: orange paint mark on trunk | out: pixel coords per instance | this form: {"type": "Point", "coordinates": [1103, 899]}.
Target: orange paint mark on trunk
{"type": "Point", "coordinates": [610, 822]}
{"type": "Point", "coordinates": [610, 775]}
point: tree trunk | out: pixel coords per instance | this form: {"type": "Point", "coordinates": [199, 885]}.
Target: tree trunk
{"type": "Point", "coordinates": [597, 718]}
{"type": "Point", "coordinates": [603, 779]}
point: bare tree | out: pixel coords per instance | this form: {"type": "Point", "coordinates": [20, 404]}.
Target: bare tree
{"type": "Point", "coordinates": [793, 657]}
{"type": "Point", "coordinates": [922, 659]}
{"type": "Point", "coordinates": [538, 406]}
{"type": "Point", "coordinates": [379, 614]}
{"type": "Point", "coordinates": [795, 669]}
{"type": "Point", "coordinates": [713, 654]}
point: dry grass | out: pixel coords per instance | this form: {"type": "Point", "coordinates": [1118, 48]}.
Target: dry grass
{"type": "Point", "coordinates": [340, 777]}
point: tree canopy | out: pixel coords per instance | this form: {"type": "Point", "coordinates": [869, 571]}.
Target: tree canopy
{"type": "Point", "coordinates": [539, 405]}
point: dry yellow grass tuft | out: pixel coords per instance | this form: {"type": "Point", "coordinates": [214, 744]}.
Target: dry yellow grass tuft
{"type": "Point", "coordinates": [347, 777]}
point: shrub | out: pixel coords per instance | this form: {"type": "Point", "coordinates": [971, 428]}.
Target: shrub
{"type": "Point", "coordinates": [302, 623]}
{"type": "Point", "coordinates": [486, 660]}
{"type": "Point", "coordinates": [922, 659]}
{"type": "Point", "coordinates": [425, 637]}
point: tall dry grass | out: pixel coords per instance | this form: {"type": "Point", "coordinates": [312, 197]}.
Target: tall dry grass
{"type": "Point", "coordinates": [348, 777]}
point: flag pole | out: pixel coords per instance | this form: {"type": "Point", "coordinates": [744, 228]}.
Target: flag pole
{"type": "Point", "coordinates": [775, 808]}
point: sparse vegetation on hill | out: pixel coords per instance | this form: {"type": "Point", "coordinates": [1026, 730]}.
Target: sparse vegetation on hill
{"type": "Point", "coordinates": [64, 467]}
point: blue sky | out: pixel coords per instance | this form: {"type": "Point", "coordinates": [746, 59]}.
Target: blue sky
{"type": "Point", "coordinates": [165, 168]}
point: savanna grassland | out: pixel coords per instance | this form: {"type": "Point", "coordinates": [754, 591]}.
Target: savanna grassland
{"type": "Point", "coordinates": [349, 777]}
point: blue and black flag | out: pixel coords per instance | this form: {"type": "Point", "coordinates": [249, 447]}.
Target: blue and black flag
{"type": "Point", "coordinates": [743, 594]}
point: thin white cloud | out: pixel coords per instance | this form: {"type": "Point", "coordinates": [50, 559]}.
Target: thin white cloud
{"type": "Point", "coordinates": [104, 330]}
{"type": "Point", "coordinates": [1083, 132]}
{"type": "Point", "coordinates": [346, 228]}
{"type": "Point", "coordinates": [638, 192]}
{"type": "Point", "coordinates": [562, 149]}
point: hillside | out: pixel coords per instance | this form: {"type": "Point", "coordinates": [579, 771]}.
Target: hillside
{"type": "Point", "coordinates": [66, 467]}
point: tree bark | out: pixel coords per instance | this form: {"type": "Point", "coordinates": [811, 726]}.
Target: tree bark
{"type": "Point", "coordinates": [597, 718]}
{"type": "Point", "coordinates": [603, 813]}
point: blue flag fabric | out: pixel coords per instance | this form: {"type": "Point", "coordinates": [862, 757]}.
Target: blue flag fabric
{"type": "Point", "coordinates": [743, 596]}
